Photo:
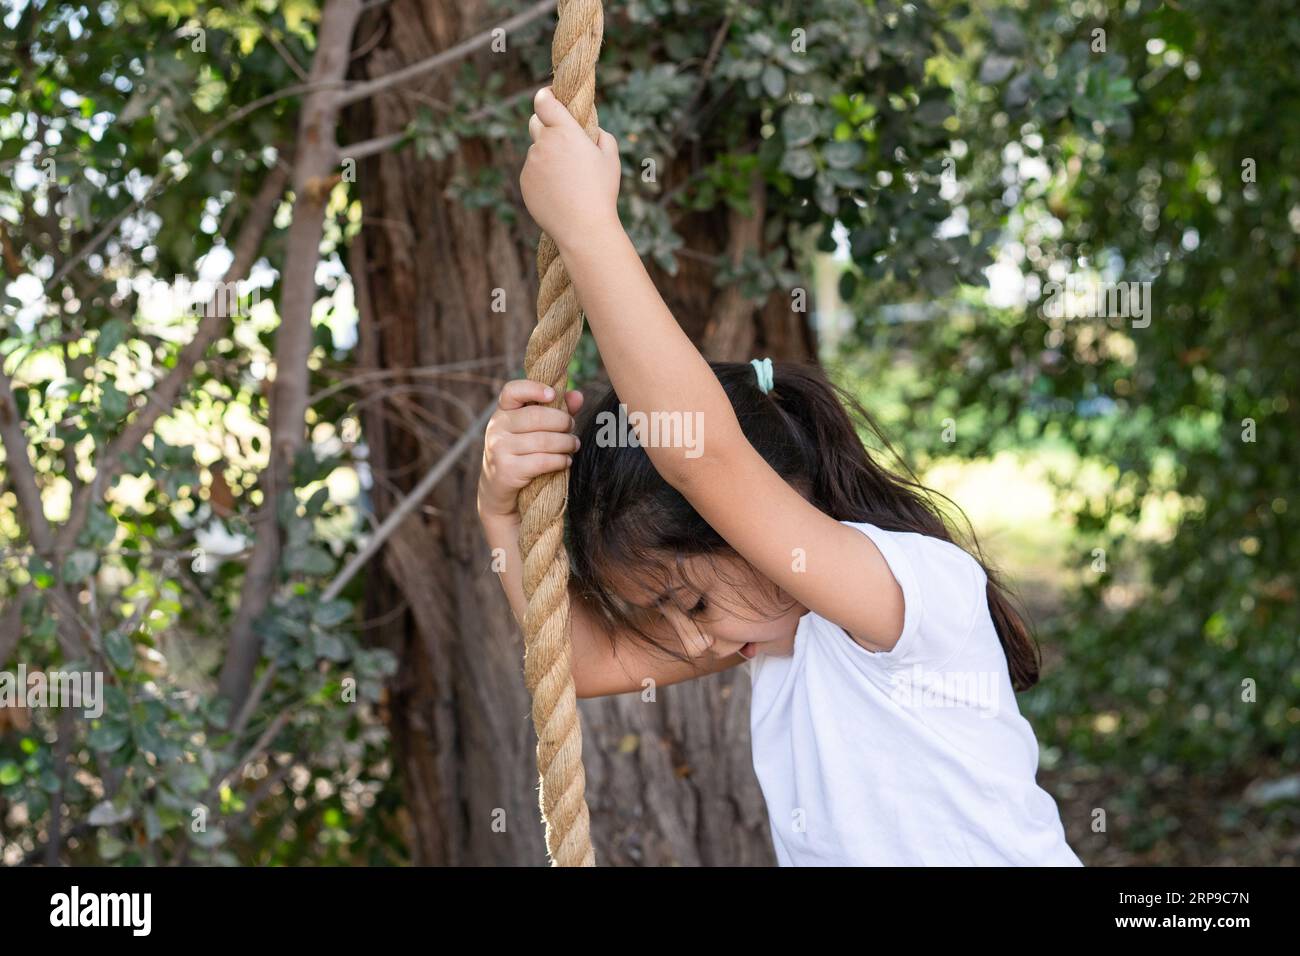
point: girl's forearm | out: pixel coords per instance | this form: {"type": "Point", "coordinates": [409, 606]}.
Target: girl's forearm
{"type": "Point", "coordinates": [502, 536]}
{"type": "Point", "coordinates": [653, 365]}
{"type": "Point", "coordinates": [600, 666]}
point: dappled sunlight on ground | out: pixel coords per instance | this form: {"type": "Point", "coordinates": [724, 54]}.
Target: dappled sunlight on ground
{"type": "Point", "coordinates": [1011, 504]}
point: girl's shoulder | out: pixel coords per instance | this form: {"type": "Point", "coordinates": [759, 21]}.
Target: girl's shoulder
{"type": "Point", "coordinates": [944, 563]}
{"type": "Point", "coordinates": [944, 591]}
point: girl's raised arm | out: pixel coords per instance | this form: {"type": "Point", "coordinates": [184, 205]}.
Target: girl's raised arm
{"type": "Point", "coordinates": [571, 187]}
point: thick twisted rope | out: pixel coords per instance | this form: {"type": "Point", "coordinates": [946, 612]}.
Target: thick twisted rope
{"type": "Point", "coordinates": [547, 668]}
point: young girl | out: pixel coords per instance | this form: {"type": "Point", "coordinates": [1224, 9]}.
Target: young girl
{"type": "Point", "coordinates": [883, 656]}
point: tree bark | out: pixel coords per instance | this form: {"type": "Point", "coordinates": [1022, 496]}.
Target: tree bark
{"type": "Point", "coordinates": [669, 781]}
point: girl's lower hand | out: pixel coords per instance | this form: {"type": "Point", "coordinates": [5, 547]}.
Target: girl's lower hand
{"type": "Point", "coordinates": [524, 440]}
{"type": "Point", "coordinates": [569, 184]}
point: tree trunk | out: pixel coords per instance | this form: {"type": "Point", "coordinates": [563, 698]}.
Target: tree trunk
{"type": "Point", "coordinates": [668, 782]}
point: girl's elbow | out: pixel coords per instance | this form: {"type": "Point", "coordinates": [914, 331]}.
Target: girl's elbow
{"type": "Point", "coordinates": [582, 690]}
{"type": "Point", "coordinates": [588, 689]}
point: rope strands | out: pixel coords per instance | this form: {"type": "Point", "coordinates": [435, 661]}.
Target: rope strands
{"type": "Point", "coordinates": [547, 657]}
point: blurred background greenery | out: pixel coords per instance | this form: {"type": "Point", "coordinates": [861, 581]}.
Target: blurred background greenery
{"type": "Point", "coordinates": [923, 171]}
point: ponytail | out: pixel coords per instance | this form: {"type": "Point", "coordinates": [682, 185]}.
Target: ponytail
{"type": "Point", "coordinates": [842, 479]}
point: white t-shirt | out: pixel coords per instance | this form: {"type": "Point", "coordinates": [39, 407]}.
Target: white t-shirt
{"type": "Point", "coordinates": [913, 757]}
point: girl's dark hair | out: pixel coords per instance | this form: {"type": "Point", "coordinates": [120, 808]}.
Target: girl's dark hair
{"type": "Point", "coordinates": [627, 523]}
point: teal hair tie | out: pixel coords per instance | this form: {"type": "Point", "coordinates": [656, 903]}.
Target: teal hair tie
{"type": "Point", "coordinates": [763, 370]}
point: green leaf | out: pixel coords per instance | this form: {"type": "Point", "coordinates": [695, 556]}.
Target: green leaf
{"type": "Point", "coordinates": [933, 112]}
{"type": "Point", "coordinates": [331, 647]}
{"type": "Point", "coordinates": [111, 335]}
{"type": "Point", "coordinates": [937, 281]}
{"type": "Point", "coordinates": [80, 565]}
{"type": "Point", "coordinates": [316, 503]}
{"type": "Point", "coordinates": [800, 163]}
{"type": "Point", "coordinates": [824, 195]}
{"type": "Point", "coordinates": [773, 80]}
{"type": "Point", "coordinates": [286, 508]}
{"type": "Point", "coordinates": [844, 155]}
{"type": "Point", "coordinates": [377, 662]}
{"type": "Point", "coordinates": [189, 778]}
{"type": "Point", "coordinates": [108, 736]}
{"type": "Point", "coordinates": [308, 468]}
{"type": "Point", "coordinates": [310, 560]}
{"type": "Point", "coordinates": [101, 529]}
{"type": "Point", "coordinates": [42, 574]}
{"type": "Point", "coordinates": [110, 847]}
{"type": "Point", "coordinates": [114, 402]}
{"type": "Point", "coordinates": [120, 649]}
{"type": "Point", "coordinates": [148, 738]}
{"type": "Point", "coordinates": [211, 837]}
{"type": "Point", "coordinates": [799, 125]}
{"type": "Point", "coordinates": [848, 285]}
{"type": "Point", "coordinates": [332, 613]}
{"type": "Point", "coordinates": [105, 814]}
{"type": "Point", "coordinates": [153, 825]}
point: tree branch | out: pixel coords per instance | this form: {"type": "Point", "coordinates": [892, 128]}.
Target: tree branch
{"type": "Point", "coordinates": [22, 476]}
{"type": "Point", "coordinates": [255, 698]}
{"type": "Point", "coordinates": [360, 91]}
{"type": "Point", "coordinates": [380, 144]}
{"type": "Point", "coordinates": [11, 619]}
{"type": "Point", "coordinates": [409, 503]}
{"type": "Point", "coordinates": [313, 178]}
{"type": "Point", "coordinates": [369, 147]}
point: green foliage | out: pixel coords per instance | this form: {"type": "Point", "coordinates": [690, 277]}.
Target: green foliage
{"type": "Point", "coordinates": [830, 103]}
{"type": "Point", "coordinates": [1163, 158]}
{"type": "Point", "coordinates": [103, 106]}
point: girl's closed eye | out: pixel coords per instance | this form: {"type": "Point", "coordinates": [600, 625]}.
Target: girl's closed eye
{"type": "Point", "coordinates": [699, 607]}
{"type": "Point", "coordinates": [696, 609]}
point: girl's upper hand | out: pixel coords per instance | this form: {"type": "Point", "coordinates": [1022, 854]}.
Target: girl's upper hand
{"type": "Point", "coordinates": [569, 184]}
{"type": "Point", "coordinates": [524, 440]}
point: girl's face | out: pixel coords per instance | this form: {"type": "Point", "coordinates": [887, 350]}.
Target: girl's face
{"type": "Point", "coordinates": [721, 612]}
